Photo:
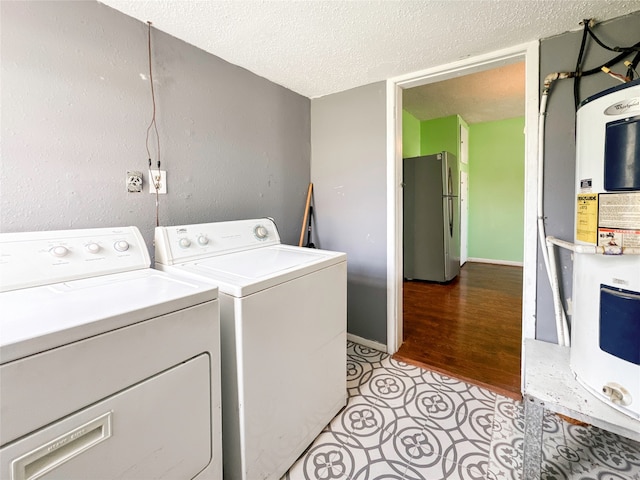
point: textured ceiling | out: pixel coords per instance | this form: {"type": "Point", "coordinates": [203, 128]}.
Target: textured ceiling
{"type": "Point", "coordinates": [481, 97]}
{"type": "Point", "coordinates": [318, 47]}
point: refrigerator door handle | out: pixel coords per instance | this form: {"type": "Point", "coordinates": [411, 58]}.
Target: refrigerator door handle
{"type": "Point", "coordinates": [450, 199]}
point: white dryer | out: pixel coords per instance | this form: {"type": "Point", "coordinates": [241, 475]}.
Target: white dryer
{"type": "Point", "coordinates": [109, 369]}
{"type": "Point", "coordinates": [283, 327]}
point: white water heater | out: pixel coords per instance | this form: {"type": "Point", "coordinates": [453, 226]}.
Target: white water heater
{"type": "Point", "coordinates": [605, 328]}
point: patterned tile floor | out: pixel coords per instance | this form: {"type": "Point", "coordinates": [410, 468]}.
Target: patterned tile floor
{"type": "Point", "coordinates": [404, 422]}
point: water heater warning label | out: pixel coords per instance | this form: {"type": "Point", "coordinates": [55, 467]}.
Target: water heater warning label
{"type": "Point", "coordinates": [610, 237]}
{"type": "Point", "coordinates": [620, 210]}
{"type": "Point", "coordinates": [619, 219]}
{"type": "Point", "coordinates": [587, 218]}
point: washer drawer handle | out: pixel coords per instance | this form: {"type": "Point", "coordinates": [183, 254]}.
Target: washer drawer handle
{"type": "Point", "coordinates": [60, 450]}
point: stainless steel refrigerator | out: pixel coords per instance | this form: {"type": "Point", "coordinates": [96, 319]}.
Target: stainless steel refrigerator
{"type": "Point", "coordinates": [431, 217]}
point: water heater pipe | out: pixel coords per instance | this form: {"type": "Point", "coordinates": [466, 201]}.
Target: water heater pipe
{"type": "Point", "coordinates": [552, 271]}
{"type": "Point", "coordinates": [591, 249]}
{"type": "Point", "coordinates": [562, 327]}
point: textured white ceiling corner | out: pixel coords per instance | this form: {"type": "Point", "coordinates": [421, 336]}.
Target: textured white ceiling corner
{"type": "Point", "coordinates": [319, 47]}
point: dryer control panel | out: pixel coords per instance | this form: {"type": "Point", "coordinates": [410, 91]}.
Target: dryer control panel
{"type": "Point", "coordinates": [30, 259]}
{"type": "Point", "coordinates": [182, 243]}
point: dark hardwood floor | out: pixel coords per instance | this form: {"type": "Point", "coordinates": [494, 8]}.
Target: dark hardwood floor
{"type": "Point", "coordinates": [469, 328]}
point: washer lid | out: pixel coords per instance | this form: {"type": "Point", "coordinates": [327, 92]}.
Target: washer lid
{"type": "Point", "coordinates": [243, 273]}
{"type": "Point", "coordinates": [40, 318]}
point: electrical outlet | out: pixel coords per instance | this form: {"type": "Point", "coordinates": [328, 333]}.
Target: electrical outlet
{"type": "Point", "coordinates": [134, 181]}
{"type": "Point", "coordinates": [158, 181]}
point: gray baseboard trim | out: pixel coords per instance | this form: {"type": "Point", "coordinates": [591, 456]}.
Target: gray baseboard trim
{"type": "Point", "coordinates": [367, 343]}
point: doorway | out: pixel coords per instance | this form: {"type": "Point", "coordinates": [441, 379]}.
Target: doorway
{"type": "Point", "coordinates": [469, 327]}
{"type": "Point", "coordinates": [528, 53]}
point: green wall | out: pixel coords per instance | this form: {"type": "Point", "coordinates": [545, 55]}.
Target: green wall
{"type": "Point", "coordinates": [439, 135]}
{"type": "Point", "coordinates": [496, 190]}
{"type": "Point", "coordinates": [410, 135]}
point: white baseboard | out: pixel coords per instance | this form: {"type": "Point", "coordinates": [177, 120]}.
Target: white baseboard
{"type": "Point", "coordinates": [367, 343]}
{"type": "Point", "coordinates": [496, 262]}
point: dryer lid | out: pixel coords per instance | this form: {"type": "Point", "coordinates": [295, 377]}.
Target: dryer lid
{"type": "Point", "coordinates": [262, 262]}
{"type": "Point", "coordinates": [246, 272]}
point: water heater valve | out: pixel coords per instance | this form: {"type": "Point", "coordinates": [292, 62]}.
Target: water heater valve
{"type": "Point", "coordinates": [617, 394]}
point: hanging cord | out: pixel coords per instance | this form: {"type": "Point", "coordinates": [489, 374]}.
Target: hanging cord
{"type": "Point", "coordinates": [578, 70]}
{"type": "Point", "coordinates": [634, 48]}
{"type": "Point", "coordinates": [615, 75]}
{"type": "Point", "coordinates": [608, 64]}
{"type": "Point", "coordinates": [153, 124]}
{"type": "Point", "coordinates": [631, 66]}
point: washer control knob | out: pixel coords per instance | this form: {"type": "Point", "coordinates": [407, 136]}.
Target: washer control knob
{"type": "Point", "coordinates": [203, 240]}
{"type": "Point", "coordinates": [59, 251]}
{"type": "Point", "coordinates": [92, 247]}
{"type": "Point", "coordinates": [261, 232]}
{"type": "Point", "coordinates": [184, 243]}
{"type": "Point", "coordinates": [121, 245]}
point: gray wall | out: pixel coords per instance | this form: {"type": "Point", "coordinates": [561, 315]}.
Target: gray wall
{"type": "Point", "coordinates": [75, 109]}
{"type": "Point", "coordinates": [348, 168]}
{"type": "Point", "coordinates": [560, 54]}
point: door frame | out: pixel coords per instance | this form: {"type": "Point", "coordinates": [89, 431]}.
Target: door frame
{"type": "Point", "coordinates": [529, 53]}
{"type": "Point", "coordinates": [464, 217]}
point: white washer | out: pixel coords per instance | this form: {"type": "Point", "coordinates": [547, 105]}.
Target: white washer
{"type": "Point", "coordinates": [283, 326]}
{"type": "Point", "coordinates": [109, 369]}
